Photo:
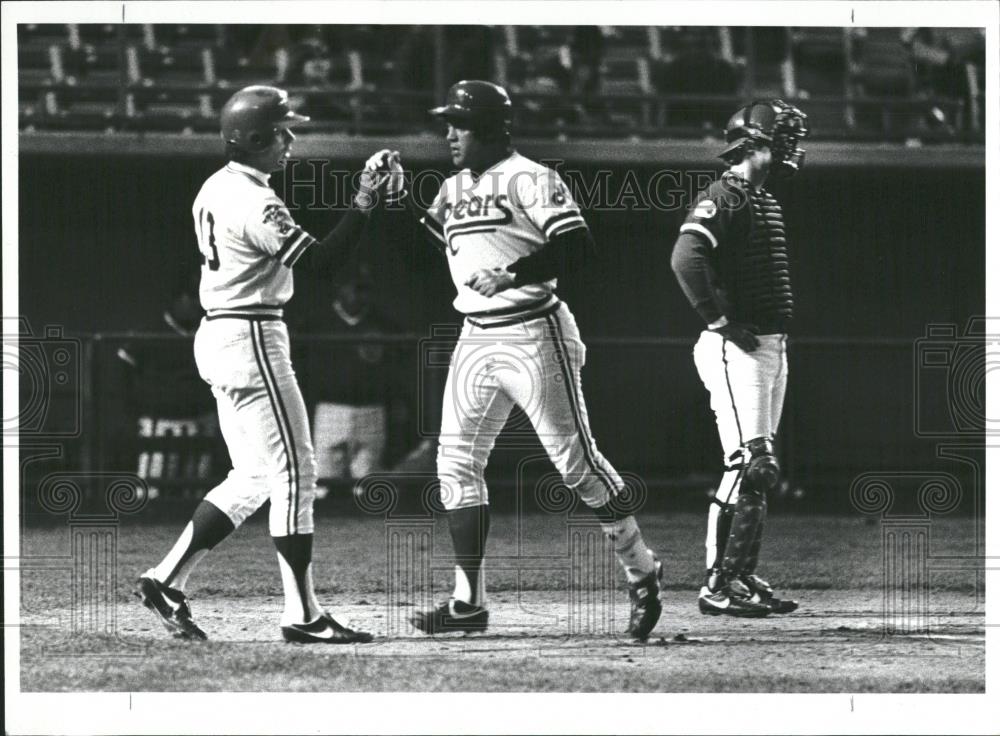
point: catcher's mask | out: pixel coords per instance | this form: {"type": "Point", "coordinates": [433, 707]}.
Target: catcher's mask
{"type": "Point", "coordinates": [774, 123]}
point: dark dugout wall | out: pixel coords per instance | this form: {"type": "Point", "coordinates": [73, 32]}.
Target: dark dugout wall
{"type": "Point", "coordinates": [878, 255]}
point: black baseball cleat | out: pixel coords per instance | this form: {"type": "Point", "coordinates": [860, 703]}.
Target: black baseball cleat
{"type": "Point", "coordinates": [644, 595]}
{"type": "Point", "coordinates": [450, 617]}
{"type": "Point", "coordinates": [324, 630]}
{"type": "Point", "coordinates": [762, 592]}
{"type": "Point", "coordinates": [732, 599]}
{"type": "Point", "coordinates": [171, 605]}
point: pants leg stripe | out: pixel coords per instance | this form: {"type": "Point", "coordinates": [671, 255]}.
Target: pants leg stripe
{"type": "Point", "coordinates": [732, 400]}
{"type": "Point", "coordinates": [284, 429]}
{"type": "Point", "coordinates": [293, 512]}
{"type": "Point", "coordinates": [574, 408]}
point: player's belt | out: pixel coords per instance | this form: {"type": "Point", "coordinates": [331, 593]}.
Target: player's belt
{"type": "Point", "coordinates": [255, 312]}
{"type": "Point", "coordinates": [514, 315]}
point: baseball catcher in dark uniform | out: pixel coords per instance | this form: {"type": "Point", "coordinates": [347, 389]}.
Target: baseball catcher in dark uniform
{"type": "Point", "coordinates": [731, 260]}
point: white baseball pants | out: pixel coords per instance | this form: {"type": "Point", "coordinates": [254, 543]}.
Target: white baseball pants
{"type": "Point", "coordinates": [263, 419]}
{"type": "Point", "coordinates": [536, 365]}
{"type": "Point", "coordinates": [747, 394]}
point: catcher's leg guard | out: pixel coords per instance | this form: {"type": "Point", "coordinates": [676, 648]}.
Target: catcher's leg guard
{"type": "Point", "coordinates": [754, 553]}
{"type": "Point", "coordinates": [762, 470]}
{"type": "Point", "coordinates": [761, 475]}
{"type": "Point", "coordinates": [723, 517]}
{"type": "Point", "coordinates": [748, 516]}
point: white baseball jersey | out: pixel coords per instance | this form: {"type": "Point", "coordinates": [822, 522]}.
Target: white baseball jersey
{"type": "Point", "coordinates": [520, 347]}
{"type": "Point", "coordinates": [248, 243]}
{"type": "Point", "coordinates": [508, 212]}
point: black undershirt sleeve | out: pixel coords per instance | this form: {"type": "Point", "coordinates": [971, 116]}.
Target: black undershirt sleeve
{"type": "Point", "coordinates": [565, 253]}
{"type": "Point", "coordinates": [325, 257]}
{"type": "Point", "coordinates": [432, 228]}
{"type": "Point", "coordinates": [696, 276]}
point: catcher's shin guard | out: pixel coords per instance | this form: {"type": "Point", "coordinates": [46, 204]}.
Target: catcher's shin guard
{"type": "Point", "coordinates": [762, 471]}
{"type": "Point", "coordinates": [723, 528]}
{"type": "Point", "coordinates": [761, 475]}
{"type": "Point", "coordinates": [754, 553]}
{"type": "Point", "coordinates": [748, 517]}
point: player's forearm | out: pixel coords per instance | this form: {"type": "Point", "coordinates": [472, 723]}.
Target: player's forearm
{"type": "Point", "coordinates": [326, 256]}
{"type": "Point", "coordinates": [696, 276]}
{"type": "Point", "coordinates": [564, 254]}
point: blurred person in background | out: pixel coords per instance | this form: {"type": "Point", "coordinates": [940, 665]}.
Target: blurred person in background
{"type": "Point", "coordinates": [163, 401]}
{"type": "Point", "coordinates": [693, 64]}
{"type": "Point", "coordinates": [355, 384]}
{"type": "Point", "coordinates": [571, 68]}
{"type": "Point", "coordinates": [946, 63]}
{"type": "Point", "coordinates": [318, 66]}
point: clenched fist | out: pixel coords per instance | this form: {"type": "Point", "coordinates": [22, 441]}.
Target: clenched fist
{"type": "Point", "coordinates": [488, 281]}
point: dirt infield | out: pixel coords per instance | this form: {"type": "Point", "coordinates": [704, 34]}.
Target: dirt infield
{"type": "Point", "coordinates": [847, 637]}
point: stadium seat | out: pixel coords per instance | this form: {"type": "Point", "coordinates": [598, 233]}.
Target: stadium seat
{"type": "Point", "coordinates": [195, 34]}
{"type": "Point", "coordinates": [673, 41]}
{"type": "Point", "coordinates": [42, 34]}
{"type": "Point", "coordinates": [881, 69]}
{"type": "Point", "coordinates": [820, 60]}
{"type": "Point", "coordinates": [31, 99]}
{"type": "Point", "coordinates": [34, 63]}
{"type": "Point", "coordinates": [882, 64]}
{"type": "Point", "coordinates": [94, 34]}
{"type": "Point", "coordinates": [232, 70]}
{"type": "Point", "coordinates": [579, 80]}
{"type": "Point", "coordinates": [173, 66]}
{"type": "Point", "coordinates": [623, 83]}
{"type": "Point", "coordinates": [171, 109]}
{"type": "Point", "coordinates": [541, 109]}
{"type": "Point", "coordinates": [95, 65]}
{"type": "Point", "coordinates": [83, 108]}
{"type": "Point", "coordinates": [623, 40]}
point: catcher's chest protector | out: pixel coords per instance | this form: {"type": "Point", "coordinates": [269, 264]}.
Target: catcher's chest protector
{"type": "Point", "coordinates": [763, 286]}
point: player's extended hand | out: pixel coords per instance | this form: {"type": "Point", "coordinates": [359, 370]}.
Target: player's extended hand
{"type": "Point", "coordinates": [397, 176]}
{"type": "Point", "coordinates": [741, 333]}
{"type": "Point", "coordinates": [373, 182]}
{"type": "Point", "coordinates": [490, 281]}
{"type": "Point", "coordinates": [378, 161]}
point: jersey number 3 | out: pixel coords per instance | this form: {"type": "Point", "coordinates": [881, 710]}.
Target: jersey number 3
{"type": "Point", "coordinates": [213, 262]}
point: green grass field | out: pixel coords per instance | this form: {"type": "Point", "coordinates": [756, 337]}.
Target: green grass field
{"type": "Point", "coordinates": [555, 623]}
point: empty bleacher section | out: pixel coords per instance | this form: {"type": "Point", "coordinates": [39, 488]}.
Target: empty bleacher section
{"type": "Point", "coordinates": [568, 81]}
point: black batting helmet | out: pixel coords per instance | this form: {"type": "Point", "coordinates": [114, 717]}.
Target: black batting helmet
{"type": "Point", "coordinates": [775, 123]}
{"type": "Point", "coordinates": [476, 104]}
{"type": "Point", "coordinates": [252, 116]}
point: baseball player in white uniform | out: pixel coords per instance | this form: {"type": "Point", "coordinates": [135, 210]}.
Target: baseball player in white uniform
{"type": "Point", "coordinates": [249, 247]}
{"type": "Point", "coordinates": [731, 260]}
{"type": "Point", "coordinates": [508, 227]}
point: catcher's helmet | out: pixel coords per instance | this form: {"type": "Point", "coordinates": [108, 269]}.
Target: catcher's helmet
{"type": "Point", "coordinates": [476, 103]}
{"type": "Point", "coordinates": [252, 116]}
{"type": "Point", "coordinates": [775, 123]}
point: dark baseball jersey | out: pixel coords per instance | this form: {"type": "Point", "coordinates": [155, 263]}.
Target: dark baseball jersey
{"type": "Point", "coordinates": [742, 236]}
